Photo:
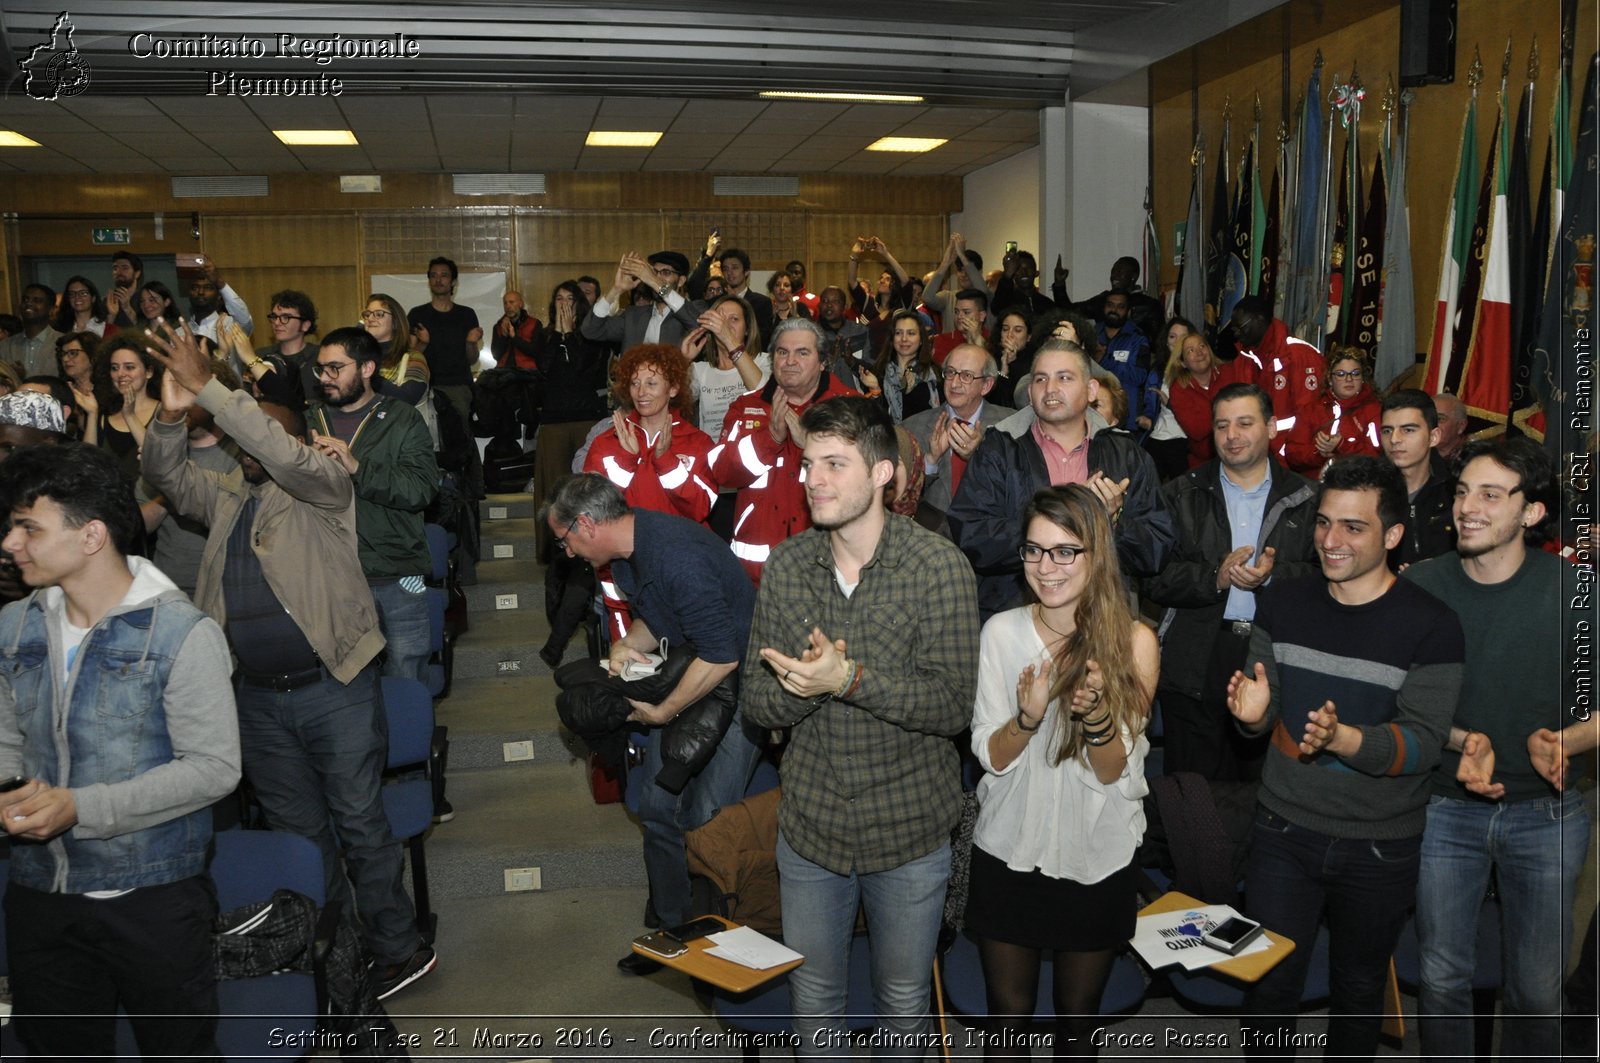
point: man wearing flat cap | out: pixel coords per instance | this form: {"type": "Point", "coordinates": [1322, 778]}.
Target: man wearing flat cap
{"type": "Point", "coordinates": [667, 318]}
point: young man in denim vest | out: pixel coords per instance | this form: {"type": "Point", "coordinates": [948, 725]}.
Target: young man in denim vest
{"type": "Point", "coordinates": [117, 718]}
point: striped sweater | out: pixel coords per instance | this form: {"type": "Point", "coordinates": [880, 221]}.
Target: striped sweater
{"type": "Point", "coordinates": [1392, 667]}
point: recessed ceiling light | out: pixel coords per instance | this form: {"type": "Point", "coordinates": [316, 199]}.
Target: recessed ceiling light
{"type": "Point", "coordinates": [617, 138]}
{"type": "Point", "coordinates": [11, 139]}
{"type": "Point", "coordinates": [906, 143]}
{"type": "Point", "coordinates": [320, 138]}
{"type": "Point", "coordinates": [859, 97]}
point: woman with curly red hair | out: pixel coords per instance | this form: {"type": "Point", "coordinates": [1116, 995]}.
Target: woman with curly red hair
{"type": "Point", "coordinates": [654, 452]}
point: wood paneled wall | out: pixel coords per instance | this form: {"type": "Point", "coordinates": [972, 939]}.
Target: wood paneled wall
{"type": "Point", "coordinates": [1249, 59]}
{"type": "Point", "coordinates": [308, 235]}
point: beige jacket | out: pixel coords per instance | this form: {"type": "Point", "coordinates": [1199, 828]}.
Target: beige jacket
{"type": "Point", "coordinates": [304, 534]}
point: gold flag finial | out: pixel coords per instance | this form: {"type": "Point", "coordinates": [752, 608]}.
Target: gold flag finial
{"type": "Point", "coordinates": [1505, 64]}
{"type": "Point", "coordinates": [1318, 62]}
{"type": "Point", "coordinates": [1475, 72]}
{"type": "Point", "coordinates": [1533, 59]}
{"type": "Point", "coordinates": [1388, 96]}
{"type": "Point", "coordinates": [1258, 108]}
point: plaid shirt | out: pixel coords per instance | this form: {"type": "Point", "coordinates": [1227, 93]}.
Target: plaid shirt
{"type": "Point", "coordinates": [871, 782]}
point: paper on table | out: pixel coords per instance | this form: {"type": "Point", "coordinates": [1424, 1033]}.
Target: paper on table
{"type": "Point", "coordinates": [751, 948]}
{"type": "Point", "coordinates": [1174, 937]}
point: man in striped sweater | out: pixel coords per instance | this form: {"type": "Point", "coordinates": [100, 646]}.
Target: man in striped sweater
{"type": "Point", "coordinates": [1356, 675]}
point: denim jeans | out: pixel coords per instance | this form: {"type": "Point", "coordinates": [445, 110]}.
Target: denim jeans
{"type": "Point", "coordinates": [1364, 887]}
{"type": "Point", "coordinates": [666, 817]}
{"type": "Point", "coordinates": [1537, 849]}
{"type": "Point", "coordinates": [903, 905]}
{"type": "Point", "coordinates": [315, 757]}
{"type": "Point", "coordinates": [403, 615]}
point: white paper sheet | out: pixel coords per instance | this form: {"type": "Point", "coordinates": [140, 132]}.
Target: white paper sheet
{"type": "Point", "coordinates": [1174, 937]}
{"type": "Point", "coordinates": [751, 948]}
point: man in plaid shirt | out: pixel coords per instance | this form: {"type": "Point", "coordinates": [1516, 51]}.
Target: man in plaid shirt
{"type": "Point", "coordinates": [867, 630]}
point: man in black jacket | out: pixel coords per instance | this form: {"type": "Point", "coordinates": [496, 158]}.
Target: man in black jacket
{"type": "Point", "coordinates": [1056, 440]}
{"type": "Point", "coordinates": [1242, 519]}
{"type": "Point", "coordinates": [685, 587]}
{"type": "Point", "coordinates": [1410, 433]}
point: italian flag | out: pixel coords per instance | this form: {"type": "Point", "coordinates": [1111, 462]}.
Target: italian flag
{"type": "Point", "coordinates": [1457, 246]}
{"type": "Point", "coordinates": [1486, 377]}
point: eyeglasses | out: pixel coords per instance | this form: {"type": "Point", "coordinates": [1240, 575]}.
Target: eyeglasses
{"type": "Point", "coordinates": [73, 293]}
{"type": "Point", "coordinates": [1033, 553]}
{"type": "Point", "coordinates": [283, 319]}
{"type": "Point", "coordinates": [329, 370]}
{"type": "Point", "coordinates": [965, 376]}
{"type": "Point", "coordinates": [561, 540]}
{"type": "Point", "coordinates": [1347, 374]}
{"type": "Point", "coordinates": [368, 315]}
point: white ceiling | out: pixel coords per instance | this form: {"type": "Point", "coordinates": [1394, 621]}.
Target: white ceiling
{"type": "Point", "coordinates": [514, 87]}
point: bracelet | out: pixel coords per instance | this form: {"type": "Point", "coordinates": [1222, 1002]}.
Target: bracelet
{"type": "Point", "coordinates": [736, 354]}
{"type": "Point", "coordinates": [1099, 740]}
{"type": "Point", "coordinates": [847, 682]}
{"type": "Point", "coordinates": [1095, 732]}
{"type": "Point", "coordinates": [1086, 722]}
{"type": "Point", "coordinates": [1024, 727]}
{"type": "Point", "coordinates": [855, 682]}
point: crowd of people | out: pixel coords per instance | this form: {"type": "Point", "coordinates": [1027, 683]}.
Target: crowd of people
{"type": "Point", "coordinates": [905, 525]}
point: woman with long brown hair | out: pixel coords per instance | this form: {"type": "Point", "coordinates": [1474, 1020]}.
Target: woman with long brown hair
{"type": "Point", "coordinates": [908, 380]}
{"type": "Point", "coordinates": [1064, 690]}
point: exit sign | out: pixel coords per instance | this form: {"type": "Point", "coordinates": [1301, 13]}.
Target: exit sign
{"type": "Point", "coordinates": [112, 236]}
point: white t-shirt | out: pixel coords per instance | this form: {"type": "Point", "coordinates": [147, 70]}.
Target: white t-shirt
{"type": "Point", "coordinates": [1057, 818]}
{"type": "Point", "coordinates": [715, 389]}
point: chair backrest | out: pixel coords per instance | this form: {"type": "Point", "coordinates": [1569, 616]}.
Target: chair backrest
{"type": "Point", "coordinates": [409, 710]}
{"type": "Point", "coordinates": [248, 865]}
{"type": "Point", "coordinates": [438, 551]}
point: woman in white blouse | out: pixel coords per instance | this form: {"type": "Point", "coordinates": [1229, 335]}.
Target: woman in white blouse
{"type": "Point", "coordinates": [1064, 689]}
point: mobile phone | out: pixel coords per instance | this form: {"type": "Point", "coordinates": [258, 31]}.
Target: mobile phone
{"type": "Point", "coordinates": [698, 928]}
{"type": "Point", "coordinates": [1011, 247]}
{"type": "Point", "coordinates": [661, 943]}
{"type": "Point", "coordinates": [1232, 934]}
{"type": "Point", "coordinates": [188, 260]}
{"type": "Point", "coordinates": [16, 782]}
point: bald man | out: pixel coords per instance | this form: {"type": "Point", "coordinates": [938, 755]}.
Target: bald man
{"type": "Point", "coordinates": [1452, 425]}
{"type": "Point", "coordinates": [512, 342]}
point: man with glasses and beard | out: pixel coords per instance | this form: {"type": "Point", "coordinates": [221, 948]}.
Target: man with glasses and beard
{"type": "Point", "coordinates": [383, 443]}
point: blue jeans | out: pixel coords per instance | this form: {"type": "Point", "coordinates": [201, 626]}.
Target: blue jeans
{"type": "Point", "coordinates": [666, 817]}
{"type": "Point", "coordinates": [315, 757]}
{"type": "Point", "coordinates": [403, 615]}
{"type": "Point", "coordinates": [1364, 887]}
{"type": "Point", "coordinates": [903, 906]}
{"type": "Point", "coordinates": [1537, 849]}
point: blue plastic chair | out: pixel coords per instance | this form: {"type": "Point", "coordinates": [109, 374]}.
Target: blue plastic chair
{"type": "Point", "coordinates": [247, 867]}
{"type": "Point", "coordinates": [440, 666]}
{"type": "Point", "coordinates": [408, 798]}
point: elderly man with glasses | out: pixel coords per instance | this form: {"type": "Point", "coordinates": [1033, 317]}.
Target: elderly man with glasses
{"type": "Point", "coordinates": [949, 435]}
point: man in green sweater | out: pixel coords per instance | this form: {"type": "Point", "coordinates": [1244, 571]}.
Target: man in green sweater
{"type": "Point", "coordinates": [1490, 808]}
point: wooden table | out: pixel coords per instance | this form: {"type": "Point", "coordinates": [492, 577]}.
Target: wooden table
{"type": "Point", "coordinates": [1248, 968]}
{"type": "Point", "coordinates": [724, 974]}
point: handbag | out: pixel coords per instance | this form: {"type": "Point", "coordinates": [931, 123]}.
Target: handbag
{"type": "Point", "coordinates": [424, 404]}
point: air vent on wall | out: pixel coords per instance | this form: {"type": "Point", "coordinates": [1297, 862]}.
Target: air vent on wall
{"type": "Point", "coordinates": [756, 186]}
{"type": "Point", "coordinates": [214, 187]}
{"type": "Point", "coordinates": [499, 184]}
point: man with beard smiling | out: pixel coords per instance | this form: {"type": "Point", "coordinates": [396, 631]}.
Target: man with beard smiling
{"type": "Point", "coordinates": [1051, 443]}
{"type": "Point", "coordinates": [1242, 520]}
{"type": "Point", "coordinates": [867, 626]}
{"type": "Point", "coordinates": [1355, 676]}
{"type": "Point", "coordinates": [281, 575]}
{"type": "Point", "coordinates": [217, 313]}
{"type": "Point", "coordinates": [1490, 809]}
{"type": "Point", "coordinates": [383, 443]}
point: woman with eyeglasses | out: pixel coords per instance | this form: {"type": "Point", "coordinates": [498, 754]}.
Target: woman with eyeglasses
{"type": "Point", "coordinates": [1346, 419]}
{"type": "Point", "coordinates": [905, 375]}
{"type": "Point", "coordinates": [1064, 690]}
{"type": "Point", "coordinates": [75, 361]}
{"type": "Point", "coordinates": [402, 365]}
{"type": "Point", "coordinates": [82, 309]}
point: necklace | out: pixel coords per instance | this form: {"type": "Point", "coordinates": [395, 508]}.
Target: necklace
{"type": "Point", "coordinates": [1038, 612]}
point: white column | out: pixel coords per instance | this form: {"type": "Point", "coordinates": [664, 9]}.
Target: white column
{"type": "Point", "coordinates": [1055, 191]}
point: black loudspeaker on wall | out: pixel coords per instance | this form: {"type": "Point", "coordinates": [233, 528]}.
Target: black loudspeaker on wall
{"type": "Point", "coordinates": [1427, 42]}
